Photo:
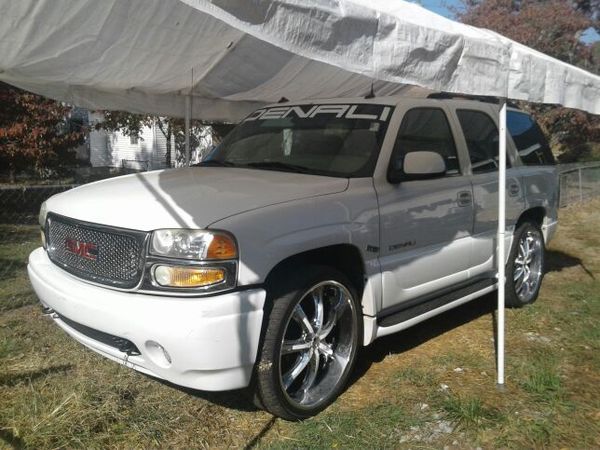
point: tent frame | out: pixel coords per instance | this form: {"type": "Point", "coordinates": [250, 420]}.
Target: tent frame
{"type": "Point", "coordinates": [187, 119]}
{"type": "Point", "coordinates": [501, 243]}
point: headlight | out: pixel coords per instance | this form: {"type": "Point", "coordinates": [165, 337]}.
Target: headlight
{"type": "Point", "coordinates": [191, 261]}
{"type": "Point", "coordinates": [43, 214]}
{"type": "Point", "coordinates": [193, 244]}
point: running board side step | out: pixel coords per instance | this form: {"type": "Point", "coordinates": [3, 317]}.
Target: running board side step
{"type": "Point", "coordinates": [423, 310]}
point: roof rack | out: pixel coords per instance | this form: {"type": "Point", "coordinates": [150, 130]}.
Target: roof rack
{"type": "Point", "coordinates": [479, 98]}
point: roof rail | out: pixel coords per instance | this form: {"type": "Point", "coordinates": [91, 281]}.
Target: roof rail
{"type": "Point", "coordinates": [371, 93]}
{"type": "Point", "coordinates": [478, 98]}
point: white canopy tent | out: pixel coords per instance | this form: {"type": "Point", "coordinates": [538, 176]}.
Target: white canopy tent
{"type": "Point", "coordinates": [232, 56]}
{"type": "Point", "coordinates": [218, 60]}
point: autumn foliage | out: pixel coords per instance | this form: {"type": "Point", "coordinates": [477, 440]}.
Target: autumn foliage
{"type": "Point", "coordinates": [553, 27]}
{"type": "Point", "coordinates": [34, 131]}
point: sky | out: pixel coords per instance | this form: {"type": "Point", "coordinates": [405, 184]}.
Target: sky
{"type": "Point", "coordinates": [590, 36]}
{"type": "Point", "coordinates": [444, 7]}
{"type": "Point", "coordinates": [440, 6]}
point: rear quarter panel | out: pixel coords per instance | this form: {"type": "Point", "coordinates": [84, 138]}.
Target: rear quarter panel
{"type": "Point", "coordinates": [540, 185]}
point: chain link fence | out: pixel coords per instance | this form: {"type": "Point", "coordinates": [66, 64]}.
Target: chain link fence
{"type": "Point", "coordinates": [20, 232]}
{"type": "Point", "coordinates": [578, 182]}
{"type": "Point", "coordinates": [19, 235]}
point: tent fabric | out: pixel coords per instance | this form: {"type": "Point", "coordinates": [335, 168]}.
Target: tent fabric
{"type": "Point", "coordinates": [234, 56]}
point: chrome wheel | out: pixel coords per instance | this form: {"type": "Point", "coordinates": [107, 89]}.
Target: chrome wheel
{"type": "Point", "coordinates": [528, 264]}
{"type": "Point", "coordinates": [318, 344]}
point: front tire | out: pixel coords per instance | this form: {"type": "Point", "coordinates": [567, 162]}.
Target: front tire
{"type": "Point", "coordinates": [310, 343]}
{"type": "Point", "coordinates": [525, 268]}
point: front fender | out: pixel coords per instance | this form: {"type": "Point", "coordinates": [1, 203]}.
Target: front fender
{"type": "Point", "coordinates": [268, 235]}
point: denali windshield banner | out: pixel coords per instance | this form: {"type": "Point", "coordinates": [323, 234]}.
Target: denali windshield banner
{"type": "Point", "coordinates": [364, 112]}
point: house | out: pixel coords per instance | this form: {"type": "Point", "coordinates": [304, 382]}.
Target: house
{"type": "Point", "coordinates": [144, 152]}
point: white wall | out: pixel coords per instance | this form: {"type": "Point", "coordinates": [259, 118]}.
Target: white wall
{"type": "Point", "coordinates": [117, 150]}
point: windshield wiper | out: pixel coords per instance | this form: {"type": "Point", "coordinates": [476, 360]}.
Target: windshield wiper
{"type": "Point", "coordinates": [214, 163]}
{"type": "Point", "coordinates": [275, 165]}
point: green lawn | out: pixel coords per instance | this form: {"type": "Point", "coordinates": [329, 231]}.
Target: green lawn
{"type": "Point", "coordinates": [16, 242]}
{"type": "Point", "coordinates": [429, 387]}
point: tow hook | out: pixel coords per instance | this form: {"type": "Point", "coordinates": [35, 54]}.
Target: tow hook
{"type": "Point", "coordinates": [47, 311]}
{"type": "Point", "coordinates": [125, 346]}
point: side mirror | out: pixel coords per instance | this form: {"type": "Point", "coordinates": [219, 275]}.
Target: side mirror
{"type": "Point", "coordinates": [424, 164]}
{"type": "Point", "coordinates": [418, 166]}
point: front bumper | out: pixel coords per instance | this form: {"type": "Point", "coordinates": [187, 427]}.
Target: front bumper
{"type": "Point", "coordinates": [211, 341]}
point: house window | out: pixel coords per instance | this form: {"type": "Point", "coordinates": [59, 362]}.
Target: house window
{"type": "Point", "coordinates": [134, 139]}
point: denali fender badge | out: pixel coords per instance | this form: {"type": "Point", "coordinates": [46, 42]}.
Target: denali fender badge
{"type": "Point", "coordinates": [402, 245]}
{"type": "Point", "coordinates": [87, 250]}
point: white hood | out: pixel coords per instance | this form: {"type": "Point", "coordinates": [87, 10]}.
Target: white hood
{"type": "Point", "coordinates": [186, 198]}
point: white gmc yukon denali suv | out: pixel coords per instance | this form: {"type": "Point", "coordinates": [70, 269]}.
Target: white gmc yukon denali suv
{"type": "Point", "coordinates": [313, 229]}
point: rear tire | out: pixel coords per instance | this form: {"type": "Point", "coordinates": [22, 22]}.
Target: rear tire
{"type": "Point", "coordinates": [310, 343]}
{"type": "Point", "coordinates": [525, 268]}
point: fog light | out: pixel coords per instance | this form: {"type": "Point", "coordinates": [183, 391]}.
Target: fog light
{"type": "Point", "coordinates": [158, 354]}
{"type": "Point", "coordinates": [186, 276]}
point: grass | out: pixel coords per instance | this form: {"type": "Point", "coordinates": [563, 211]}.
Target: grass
{"type": "Point", "coordinates": [541, 377]}
{"type": "Point", "coordinates": [432, 386]}
{"type": "Point", "coordinates": [16, 242]}
{"type": "Point", "coordinates": [470, 412]}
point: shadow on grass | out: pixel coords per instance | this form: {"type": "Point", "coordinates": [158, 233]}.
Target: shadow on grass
{"type": "Point", "coordinates": [264, 430]}
{"type": "Point", "coordinates": [16, 301]}
{"type": "Point", "coordinates": [556, 261]}
{"type": "Point", "coordinates": [239, 399]}
{"type": "Point", "coordinates": [406, 340]}
{"type": "Point", "coordinates": [12, 379]}
{"type": "Point", "coordinates": [18, 233]}
{"type": "Point", "coordinates": [13, 441]}
{"type": "Point", "coordinates": [10, 268]}
{"type": "Point", "coordinates": [401, 342]}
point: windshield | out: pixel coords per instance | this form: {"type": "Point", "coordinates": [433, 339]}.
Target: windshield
{"type": "Point", "coordinates": [341, 140]}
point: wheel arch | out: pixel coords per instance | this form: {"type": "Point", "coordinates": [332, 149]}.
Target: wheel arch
{"type": "Point", "coordinates": [536, 214]}
{"type": "Point", "coordinates": [344, 257]}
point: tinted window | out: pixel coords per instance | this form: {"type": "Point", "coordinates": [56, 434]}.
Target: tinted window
{"type": "Point", "coordinates": [481, 135]}
{"type": "Point", "coordinates": [426, 129]}
{"type": "Point", "coordinates": [529, 139]}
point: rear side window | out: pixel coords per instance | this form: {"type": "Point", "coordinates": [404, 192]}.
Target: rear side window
{"type": "Point", "coordinates": [426, 129]}
{"type": "Point", "coordinates": [481, 135]}
{"type": "Point", "coordinates": [529, 139]}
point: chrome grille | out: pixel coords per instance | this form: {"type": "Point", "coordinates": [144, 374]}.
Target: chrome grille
{"type": "Point", "coordinates": [105, 255]}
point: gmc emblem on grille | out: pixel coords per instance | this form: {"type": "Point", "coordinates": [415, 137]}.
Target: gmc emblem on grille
{"type": "Point", "coordinates": [87, 250]}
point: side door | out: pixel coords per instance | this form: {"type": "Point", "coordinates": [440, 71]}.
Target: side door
{"type": "Point", "coordinates": [425, 225]}
{"type": "Point", "coordinates": [480, 133]}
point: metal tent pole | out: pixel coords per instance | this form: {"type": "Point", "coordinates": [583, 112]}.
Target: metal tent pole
{"type": "Point", "coordinates": [500, 249]}
{"type": "Point", "coordinates": [188, 114]}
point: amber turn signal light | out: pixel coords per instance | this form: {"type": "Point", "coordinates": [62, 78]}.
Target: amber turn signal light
{"type": "Point", "coordinates": [188, 277]}
{"type": "Point", "coordinates": [221, 247]}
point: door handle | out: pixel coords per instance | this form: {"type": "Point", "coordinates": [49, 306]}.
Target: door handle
{"type": "Point", "coordinates": [513, 189]}
{"type": "Point", "coordinates": [464, 198]}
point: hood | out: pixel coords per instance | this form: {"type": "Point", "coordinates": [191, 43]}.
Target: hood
{"type": "Point", "coordinates": [192, 197]}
